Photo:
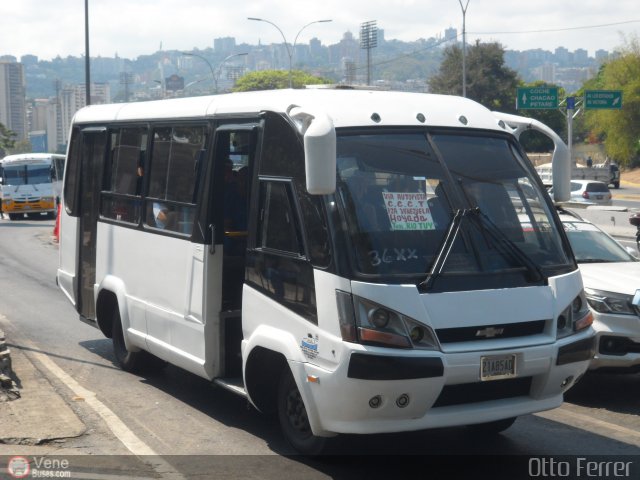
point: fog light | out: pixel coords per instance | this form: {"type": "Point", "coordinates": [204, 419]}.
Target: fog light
{"type": "Point", "coordinates": [403, 400]}
{"type": "Point", "coordinates": [567, 382]}
{"type": "Point", "coordinates": [375, 402]}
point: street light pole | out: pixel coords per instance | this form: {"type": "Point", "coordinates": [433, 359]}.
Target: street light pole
{"type": "Point", "coordinates": [289, 50]}
{"type": "Point", "coordinates": [87, 58]}
{"type": "Point", "coordinates": [464, 47]}
{"type": "Point", "coordinates": [222, 63]}
{"type": "Point", "coordinates": [213, 75]}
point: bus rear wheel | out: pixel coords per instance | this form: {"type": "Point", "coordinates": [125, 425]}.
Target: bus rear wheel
{"type": "Point", "coordinates": [292, 415]}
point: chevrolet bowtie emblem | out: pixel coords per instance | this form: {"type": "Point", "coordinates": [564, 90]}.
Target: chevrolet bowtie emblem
{"type": "Point", "coordinates": [489, 332]}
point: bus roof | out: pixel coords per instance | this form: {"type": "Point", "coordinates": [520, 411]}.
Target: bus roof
{"type": "Point", "coordinates": [29, 158]}
{"type": "Point", "coordinates": [347, 108]}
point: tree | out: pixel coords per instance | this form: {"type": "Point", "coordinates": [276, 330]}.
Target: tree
{"type": "Point", "coordinates": [489, 81]}
{"type": "Point", "coordinates": [276, 79]}
{"type": "Point", "coordinates": [7, 140]}
{"type": "Point", "coordinates": [619, 128]}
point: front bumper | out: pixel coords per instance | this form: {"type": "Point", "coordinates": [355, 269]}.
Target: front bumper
{"type": "Point", "coordinates": [10, 206]}
{"type": "Point", "coordinates": [617, 343]}
{"type": "Point", "coordinates": [341, 402]}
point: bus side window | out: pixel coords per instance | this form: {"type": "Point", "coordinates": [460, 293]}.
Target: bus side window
{"type": "Point", "coordinates": [121, 200]}
{"type": "Point", "coordinates": [173, 177]}
{"type": "Point", "coordinates": [71, 190]}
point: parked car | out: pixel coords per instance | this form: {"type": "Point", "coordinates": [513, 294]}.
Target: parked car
{"type": "Point", "coordinates": [611, 277]}
{"type": "Point", "coordinates": [590, 192]}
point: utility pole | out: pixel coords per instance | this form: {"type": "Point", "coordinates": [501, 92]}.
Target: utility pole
{"type": "Point", "coordinates": [368, 40]}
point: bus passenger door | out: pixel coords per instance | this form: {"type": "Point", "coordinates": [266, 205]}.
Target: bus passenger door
{"type": "Point", "coordinates": [230, 195]}
{"type": "Point", "coordinates": [91, 170]}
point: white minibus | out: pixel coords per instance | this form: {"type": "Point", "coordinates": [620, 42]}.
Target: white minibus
{"type": "Point", "coordinates": [353, 261]}
{"type": "Point", "coordinates": [31, 184]}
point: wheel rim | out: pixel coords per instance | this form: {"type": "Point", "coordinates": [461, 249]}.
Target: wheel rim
{"type": "Point", "coordinates": [296, 413]}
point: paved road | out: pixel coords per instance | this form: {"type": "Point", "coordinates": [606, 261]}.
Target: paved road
{"type": "Point", "coordinates": [172, 412]}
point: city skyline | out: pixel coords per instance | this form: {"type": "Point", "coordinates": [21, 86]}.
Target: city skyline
{"type": "Point", "coordinates": [132, 29]}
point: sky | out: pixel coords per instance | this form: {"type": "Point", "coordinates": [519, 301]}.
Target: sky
{"type": "Point", "coordinates": [129, 28]}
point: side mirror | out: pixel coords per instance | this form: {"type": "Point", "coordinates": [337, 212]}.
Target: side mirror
{"type": "Point", "coordinates": [319, 149]}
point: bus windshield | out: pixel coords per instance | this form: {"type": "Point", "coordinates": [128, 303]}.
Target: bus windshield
{"type": "Point", "coordinates": [400, 191]}
{"type": "Point", "coordinates": [27, 174]}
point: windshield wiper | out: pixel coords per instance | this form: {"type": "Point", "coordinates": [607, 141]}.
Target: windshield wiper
{"type": "Point", "coordinates": [447, 245]}
{"type": "Point", "coordinates": [502, 243]}
{"type": "Point", "coordinates": [507, 246]}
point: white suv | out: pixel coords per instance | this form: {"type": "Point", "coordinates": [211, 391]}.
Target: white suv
{"type": "Point", "coordinates": [611, 277]}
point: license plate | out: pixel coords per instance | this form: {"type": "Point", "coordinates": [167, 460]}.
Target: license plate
{"type": "Point", "coordinates": [496, 367]}
{"type": "Point", "coordinates": [598, 197]}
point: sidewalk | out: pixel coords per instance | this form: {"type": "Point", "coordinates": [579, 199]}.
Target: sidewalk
{"type": "Point", "coordinates": [40, 416]}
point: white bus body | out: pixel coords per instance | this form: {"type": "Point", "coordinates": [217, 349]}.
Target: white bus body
{"type": "Point", "coordinates": [394, 265]}
{"type": "Point", "coordinates": [31, 184]}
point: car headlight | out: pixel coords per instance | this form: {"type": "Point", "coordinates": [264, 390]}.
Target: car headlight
{"type": "Point", "coordinates": [574, 318]}
{"type": "Point", "coordinates": [366, 322]}
{"type": "Point", "coordinates": [47, 199]}
{"type": "Point", "coordinates": [611, 302]}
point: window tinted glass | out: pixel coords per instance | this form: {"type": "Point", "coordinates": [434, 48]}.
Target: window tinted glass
{"type": "Point", "coordinates": [399, 202]}
{"type": "Point", "coordinates": [591, 245]}
{"type": "Point", "coordinates": [597, 187]}
{"type": "Point", "coordinates": [278, 230]}
{"type": "Point", "coordinates": [121, 199]}
{"type": "Point", "coordinates": [173, 182]}
{"type": "Point", "coordinates": [71, 175]}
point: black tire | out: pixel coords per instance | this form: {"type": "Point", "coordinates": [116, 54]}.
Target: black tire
{"type": "Point", "coordinates": [294, 422]}
{"type": "Point", "coordinates": [128, 361]}
{"type": "Point", "coordinates": [15, 216]}
{"type": "Point", "coordinates": [492, 428]}
{"type": "Point", "coordinates": [616, 184]}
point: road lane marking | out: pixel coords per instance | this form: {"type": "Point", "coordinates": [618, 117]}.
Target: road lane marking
{"type": "Point", "coordinates": [593, 425]}
{"type": "Point", "coordinates": [126, 436]}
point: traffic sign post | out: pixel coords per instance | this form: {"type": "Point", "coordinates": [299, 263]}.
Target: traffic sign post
{"type": "Point", "coordinates": [603, 99]}
{"type": "Point", "coordinates": [538, 98]}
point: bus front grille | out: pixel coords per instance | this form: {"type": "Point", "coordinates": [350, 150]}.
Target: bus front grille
{"type": "Point", "coordinates": [483, 391]}
{"type": "Point", "coordinates": [486, 332]}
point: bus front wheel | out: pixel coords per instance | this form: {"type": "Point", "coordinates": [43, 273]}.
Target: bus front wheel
{"type": "Point", "coordinates": [294, 422]}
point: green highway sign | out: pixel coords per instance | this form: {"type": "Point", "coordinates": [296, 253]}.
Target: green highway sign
{"type": "Point", "coordinates": [537, 98]}
{"type": "Point", "coordinates": [603, 99]}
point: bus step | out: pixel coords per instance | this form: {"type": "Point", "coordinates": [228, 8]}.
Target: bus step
{"type": "Point", "coordinates": [235, 385]}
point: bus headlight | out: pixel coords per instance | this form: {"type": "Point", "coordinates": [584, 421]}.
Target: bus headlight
{"type": "Point", "coordinates": [574, 318]}
{"type": "Point", "coordinates": [366, 322]}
